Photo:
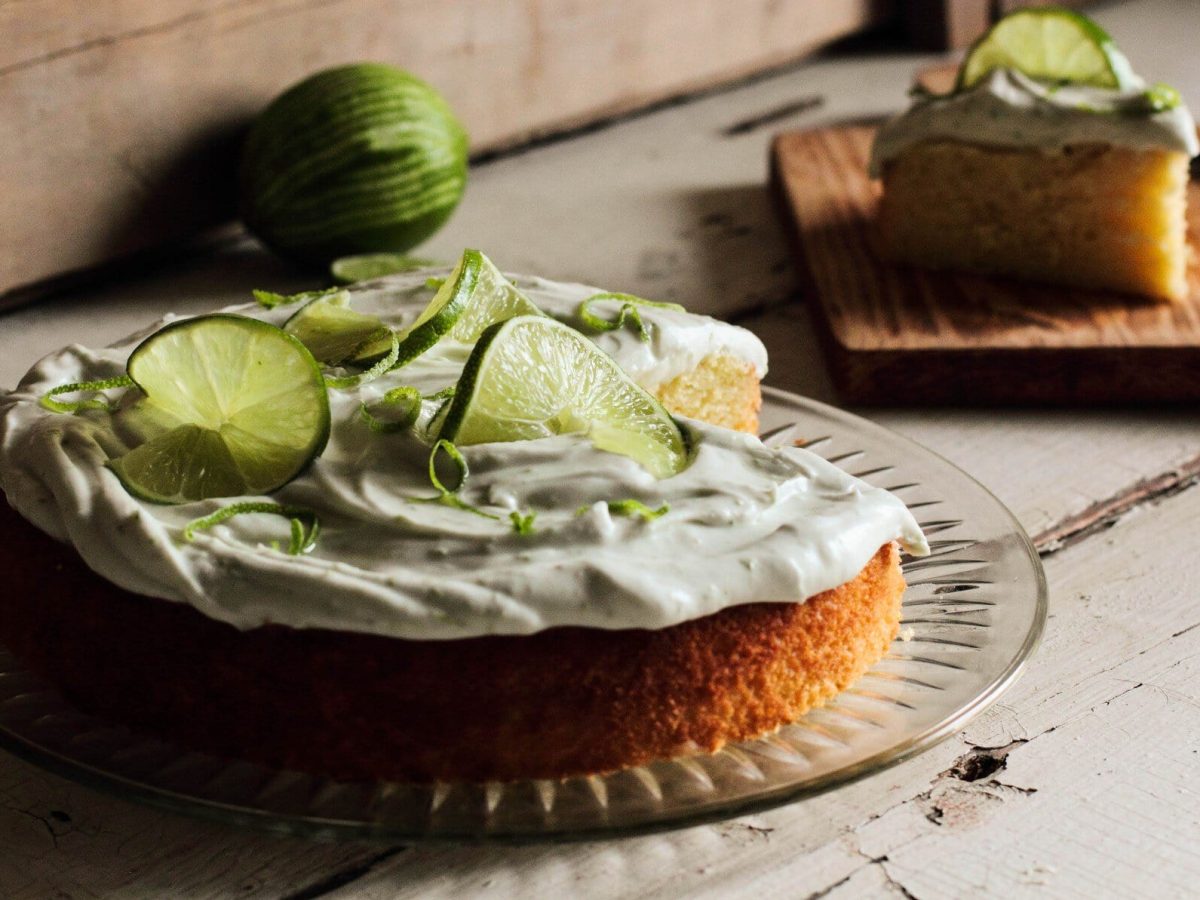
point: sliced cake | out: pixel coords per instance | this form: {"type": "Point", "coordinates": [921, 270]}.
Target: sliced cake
{"type": "Point", "coordinates": [1050, 161]}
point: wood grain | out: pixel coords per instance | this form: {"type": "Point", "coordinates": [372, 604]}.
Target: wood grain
{"type": "Point", "coordinates": [123, 117]}
{"type": "Point", "coordinates": [942, 337]}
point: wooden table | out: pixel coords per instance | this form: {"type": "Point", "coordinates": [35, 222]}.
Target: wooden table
{"type": "Point", "coordinates": [1081, 781]}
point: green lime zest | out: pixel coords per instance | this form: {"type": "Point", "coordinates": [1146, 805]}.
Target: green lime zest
{"type": "Point", "coordinates": [630, 508]}
{"type": "Point", "coordinates": [628, 312]}
{"type": "Point", "coordinates": [1157, 98]}
{"type": "Point", "coordinates": [447, 496]}
{"type": "Point", "coordinates": [522, 523]}
{"type": "Point", "coordinates": [270, 300]}
{"type": "Point", "coordinates": [366, 266]}
{"type": "Point", "coordinates": [341, 382]}
{"type": "Point", "coordinates": [406, 399]}
{"type": "Point", "coordinates": [474, 296]}
{"type": "Point", "coordinates": [303, 537]}
{"type": "Point", "coordinates": [637, 508]}
{"type": "Point", "coordinates": [69, 406]}
{"type": "Point", "coordinates": [434, 283]}
{"type": "Point", "coordinates": [442, 313]}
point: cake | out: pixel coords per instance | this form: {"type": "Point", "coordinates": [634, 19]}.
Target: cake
{"type": "Point", "coordinates": [643, 618]}
{"type": "Point", "coordinates": [1041, 179]}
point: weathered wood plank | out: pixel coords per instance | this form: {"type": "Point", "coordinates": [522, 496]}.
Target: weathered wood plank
{"type": "Point", "coordinates": [588, 208]}
{"type": "Point", "coordinates": [123, 117]}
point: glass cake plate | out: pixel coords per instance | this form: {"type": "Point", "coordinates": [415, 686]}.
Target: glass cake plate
{"type": "Point", "coordinates": [973, 612]}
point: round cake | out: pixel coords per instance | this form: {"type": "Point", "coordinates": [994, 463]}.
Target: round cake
{"type": "Point", "coordinates": [642, 618]}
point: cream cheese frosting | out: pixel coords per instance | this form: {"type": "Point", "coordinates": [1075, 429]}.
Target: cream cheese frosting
{"type": "Point", "coordinates": [1009, 109]}
{"type": "Point", "coordinates": [746, 523]}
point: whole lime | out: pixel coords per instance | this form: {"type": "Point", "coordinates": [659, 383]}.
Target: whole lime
{"type": "Point", "coordinates": [353, 159]}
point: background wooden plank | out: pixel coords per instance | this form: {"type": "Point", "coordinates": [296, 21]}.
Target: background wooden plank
{"type": "Point", "coordinates": [122, 117]}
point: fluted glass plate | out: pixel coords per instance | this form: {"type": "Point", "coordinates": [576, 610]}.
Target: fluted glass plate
{"type": "Point", "coordinates": [973, 612]}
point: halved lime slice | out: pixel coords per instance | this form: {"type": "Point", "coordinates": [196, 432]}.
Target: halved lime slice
{"type": "Point", "coordinates": [233, 406]}
{"type": "Point", "coordinates": [474, 296]}
{"type": "Point", "coordinates": [365, 266]}
{"type": "Point", "coordinates": [331, 330]}
{"type": "Point", "coordinates": [531, 377]}
{"type": "Point", "coordinates": [1049, 44]}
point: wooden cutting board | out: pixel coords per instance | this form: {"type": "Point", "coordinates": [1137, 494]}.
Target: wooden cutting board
{"type": "Point", "coordinates": [898, 334]}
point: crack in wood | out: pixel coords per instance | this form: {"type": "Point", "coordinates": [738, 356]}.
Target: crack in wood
{"type": "Point", "coordinates": [982, 762]}
{"type": "Point", "coordinates": [1103, 514]}
{"type": "Point", "coordinates": [1184, 631]}
{"type": "Point", "coordinates": [343, 877]}
{"type": "Point", "coordinates": [773, 115]}
{"type": "Point", "coordinates": [830, 888]}
{"type": "Point", "coordinates": [892, 882]}
{"type": "Point", "coordinates": [166, 27]}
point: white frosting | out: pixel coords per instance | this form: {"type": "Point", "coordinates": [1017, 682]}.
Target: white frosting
{"type": "Point", "coordinates": [1008, 109]}
{"type": "Point", "coordinates": [746, 523]}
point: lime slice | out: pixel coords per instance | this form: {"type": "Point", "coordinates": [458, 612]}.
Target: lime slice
{"type": "Point", "coordinates": [233, 406]}
{"type": "Point", "coordinates": [474, 296]}
{"type": "Point", "coordinates": [331, 330]}
{"type": "Point", "coordinates": [365, 266]}
{"type": "Point", "coordinates": [1049, 44]}
{"type": "Point", "coordinates": [531, 377]}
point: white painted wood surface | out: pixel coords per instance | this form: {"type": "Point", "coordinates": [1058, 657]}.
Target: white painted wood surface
{"type": "Point", "coordinates": [1096, 795]}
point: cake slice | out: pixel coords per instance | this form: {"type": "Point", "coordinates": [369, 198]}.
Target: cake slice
{"type": "Point", "coordinates": [596, 584]}
{"type": "Point", "coordinates": [1036, 176]}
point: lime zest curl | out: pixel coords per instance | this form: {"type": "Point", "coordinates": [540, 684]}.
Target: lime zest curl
{"type": "Point", "coordinates": [410, 397]}
{"type": "Point", "coordinates": [47, 400]}
{"type": "Point", "coordinates": [302, 539]}
{"type": "Point", "coordinates": [522, 523]}
{"type": "Point", "coordinates": [1158, 98]}
{"type": "Point", "coordinates": [637, 508]}
{"type": "Point", "coordinates": [270, 300]}
{"type": "Point", "coordinates": [627, 313]}
{"type": "Point", "coordinates": [446, 496]}
{"type": "Point", "coordinates": [631, 508]}
{"type": "Point", "coordinates": [341, 382]}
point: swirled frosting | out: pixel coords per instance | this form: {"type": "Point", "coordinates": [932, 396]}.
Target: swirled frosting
{"type": "Point", "coordinates": [1008, 109]}
{"type": "Point", "coordinates": [746, 523]}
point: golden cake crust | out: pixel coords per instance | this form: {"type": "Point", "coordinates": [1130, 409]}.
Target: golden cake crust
{"type": "Point", "coordinates": [354, 706]}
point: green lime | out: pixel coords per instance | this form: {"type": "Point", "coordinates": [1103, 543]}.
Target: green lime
{"type": "Point", "coordinates": [474, 296]}
{"type": "Point", "coordinates": [532, 376]}
{"type": "Point", "coordinates": [366, 266]}
{"type": "Point", "coordinates": [331, 330]}
{"type": "Point", "coordinates": [233, 406]}
{"type": "Point", "coordinates": [1049, 44]}
{"type": "Point", "coordinates": [355, 159]}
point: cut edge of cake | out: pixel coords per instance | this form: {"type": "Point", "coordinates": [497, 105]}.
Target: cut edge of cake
{"type": "Point", "coordinates": [1089, 215]}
